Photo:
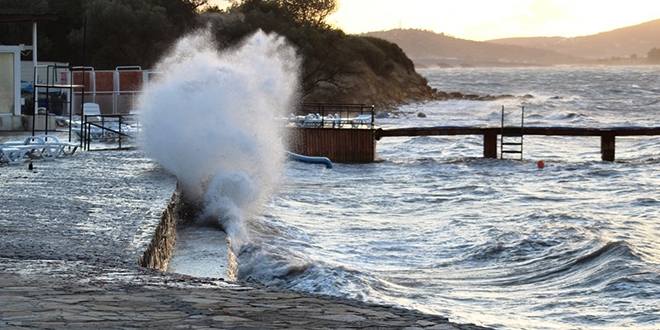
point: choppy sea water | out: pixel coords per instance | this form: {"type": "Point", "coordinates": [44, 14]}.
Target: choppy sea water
{"type": "Point", "coordinates": [433, 226]}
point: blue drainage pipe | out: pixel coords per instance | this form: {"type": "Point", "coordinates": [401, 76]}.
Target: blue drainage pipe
{"type": "Point", "coordinates": [309, 159]}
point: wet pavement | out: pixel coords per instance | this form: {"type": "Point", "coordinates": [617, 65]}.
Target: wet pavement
{"type": "Point", "coordinates": [71, 231]}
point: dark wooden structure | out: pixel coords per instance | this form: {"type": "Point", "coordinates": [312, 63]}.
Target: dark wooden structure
{"type": "Point", "coordinates": [335, 134]}
{"type": "Point", "coordinates": [340, 145]}
{"type": "Point", "coordinates": [490, 134]}
{"type": "Point", "coordinates": [359, 145]}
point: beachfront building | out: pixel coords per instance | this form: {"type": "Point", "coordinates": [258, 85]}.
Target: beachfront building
{"type": "Point", "coordinates": [11, 101]}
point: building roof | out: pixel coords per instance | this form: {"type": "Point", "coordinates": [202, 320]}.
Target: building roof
{"type": "Point", "coordinates": [22, 15]}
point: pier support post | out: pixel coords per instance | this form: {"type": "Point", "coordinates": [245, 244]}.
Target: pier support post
{"type": "Point", "coordinates": [490, 145]}
{"type": "Point", "coordinates": [607, 143]}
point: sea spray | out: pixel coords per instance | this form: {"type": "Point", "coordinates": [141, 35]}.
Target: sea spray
{"type": "Point", "coordinates": [212, 119]}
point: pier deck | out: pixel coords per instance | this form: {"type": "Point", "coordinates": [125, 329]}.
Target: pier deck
{"type": "Point", "coordinates": [607, 135]}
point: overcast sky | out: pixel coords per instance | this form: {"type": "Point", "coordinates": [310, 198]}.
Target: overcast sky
{"type": "Point", "coordinates": [491, 19]}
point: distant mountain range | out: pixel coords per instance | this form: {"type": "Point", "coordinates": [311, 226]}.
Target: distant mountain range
{"type": "Point", "coordinates": [621, 46]}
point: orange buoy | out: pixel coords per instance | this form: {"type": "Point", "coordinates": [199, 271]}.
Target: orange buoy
{"type": "Point", "coordinates": [540, 164]}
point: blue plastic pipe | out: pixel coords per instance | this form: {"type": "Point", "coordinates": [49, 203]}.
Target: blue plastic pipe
{"type": "Point", "coordinates": [309, 159]}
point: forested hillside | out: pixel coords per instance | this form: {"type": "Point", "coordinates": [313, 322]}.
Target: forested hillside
{"type": "Point", "coordinates": [428, 48]}
{"type": "Point", "coordinates": [633, 41]}
{"type": "Point", "coordinates": [630, 45]}
{"type": "Point", "coordinates": [105, 34]}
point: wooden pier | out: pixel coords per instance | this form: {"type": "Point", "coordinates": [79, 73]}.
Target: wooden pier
{"type": "Point", "coordinates": [341, 145]}
{"type": "Point", "coordinates": [355, 142]}
{"type": "Point", "coordinates": [490, 134]}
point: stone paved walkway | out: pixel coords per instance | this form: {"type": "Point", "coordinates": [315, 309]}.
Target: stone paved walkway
{"type": "Point", "coordinates": [70, 234]}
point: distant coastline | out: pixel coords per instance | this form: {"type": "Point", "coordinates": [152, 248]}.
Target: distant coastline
{"type": "Point", "coordinates": [626, 46]}
{"type": "Point", "coordinates": [457, 63]}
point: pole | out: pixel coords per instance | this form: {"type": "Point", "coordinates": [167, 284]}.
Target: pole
{"type": "Point", "coordinates": [82, 97]}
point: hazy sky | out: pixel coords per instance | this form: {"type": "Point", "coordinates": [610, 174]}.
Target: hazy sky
{"type": "Point", "coordinates": [491, 19]}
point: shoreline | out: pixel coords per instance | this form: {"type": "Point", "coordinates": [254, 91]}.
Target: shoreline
{"type": "Point", "coordinates": [72, 230]}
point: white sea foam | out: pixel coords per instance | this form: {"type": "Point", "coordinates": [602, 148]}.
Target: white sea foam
{"type": "Point", "coordinates": [210, 118]}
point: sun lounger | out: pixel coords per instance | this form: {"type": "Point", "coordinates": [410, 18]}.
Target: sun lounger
{"type": "Point", "coordinates": [335, 120]}
{"type": "Point", "coordinates": [363, 119]}
{"type": "Point", "coordinates": [316, 121]}
{"type": "Point", "coordinates": [45, 147]}
{"type": "Point", "coordinates": [12, 155]}
{"type": "Point", "coordinates": [311, 120]}
{"type": "Point", "coordinates": [54, 147]}
{"type": "Point", "coordinates": [34, 147]}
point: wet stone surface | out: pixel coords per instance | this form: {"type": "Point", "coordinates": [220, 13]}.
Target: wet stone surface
{"type": "Point", "coordinates": [71, 231]}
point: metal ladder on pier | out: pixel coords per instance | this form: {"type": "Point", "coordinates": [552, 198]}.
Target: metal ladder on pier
{"type": "Point", "coordinates": [511, 138]}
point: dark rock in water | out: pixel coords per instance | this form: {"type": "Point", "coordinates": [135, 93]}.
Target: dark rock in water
{"type": "Point", "coordinates": [440, 95]}
{"type": "Point", "coordinates": [556, 98]}
{"type": "Point", "coordinates": [504, 97]}
{"type": "Point", "coordinates": [444, 65]}
{"type": "Point", "coordinates": [421, 115]}
{"type": "Point", "coordinates": [382, 115]}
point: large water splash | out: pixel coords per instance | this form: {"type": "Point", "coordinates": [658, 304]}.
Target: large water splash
{"type": "Point", "coordinates": [211, 119]}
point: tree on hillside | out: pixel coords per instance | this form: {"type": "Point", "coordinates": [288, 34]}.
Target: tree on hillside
{"type": "Point", "coordinates": [117, 32]}
{"type": "Point", "coordinates": [181, 14]}
{"type": "Point", "coordinates": [654, 55]}
{"type": "Point", "coordinates": [307, 12]}
{"type": "Point", "coordinates": [55, 45]}
{"type": "Point", "coordinates": [312, 12]}
{"type": "Point", "coordinates": [123, 32]}
{"type": "Point", "coordinates": [328, 55]}
{"type": "Point", "coordinates": [317, 44]}
{"type": "Point", "coordinates": [16, 33]}
{"type": "Point", "coordinates": [128, 32]}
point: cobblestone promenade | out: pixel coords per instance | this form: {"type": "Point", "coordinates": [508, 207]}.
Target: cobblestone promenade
{"type": "Point", "coordinates": [71, 231]}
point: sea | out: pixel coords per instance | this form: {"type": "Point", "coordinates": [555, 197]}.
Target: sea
{"type": "Point", "coordinates": [432, 225]}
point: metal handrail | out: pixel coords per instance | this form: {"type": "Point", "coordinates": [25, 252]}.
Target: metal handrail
{"type": "Point", "coordinates": [343, 110]}
{"type": "Point", "coordinates": [86, 136]}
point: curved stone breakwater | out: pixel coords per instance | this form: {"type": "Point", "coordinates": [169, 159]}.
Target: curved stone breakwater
{"type": "Point", "coordinates": [71, 232]}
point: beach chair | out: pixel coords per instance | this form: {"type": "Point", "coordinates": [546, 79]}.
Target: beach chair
{"type": "Point", "coordinates": [53, 147]}
{"type": "Point", "coordinates": [334, 120]}
{"type": "Point", "coordinates": [311, 120]}
{"type": "Point", "coordinates": [12, 155]}
{"type": "Point", "coordinates": [45, 147]}
{"type": "Point", "coordinates": [363, 119]}
{"type": "Point", "coordinates": [35, 148]}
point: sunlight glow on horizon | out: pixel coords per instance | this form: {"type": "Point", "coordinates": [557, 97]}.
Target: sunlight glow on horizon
{"type": "Point", "coordinates": [486, 19]}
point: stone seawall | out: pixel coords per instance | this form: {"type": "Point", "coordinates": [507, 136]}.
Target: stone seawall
{"type": "Point", "coordinates": [159, 251]}
{"type": "Point", "coordinates": [178, 246]}
{"type": "Point", "coordinates": [179, 211]}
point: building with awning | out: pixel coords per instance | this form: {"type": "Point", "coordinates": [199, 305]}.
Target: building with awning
{"type": "Point", "coordinates": [10, 66]}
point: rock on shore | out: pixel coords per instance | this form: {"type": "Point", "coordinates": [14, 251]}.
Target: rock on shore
{"type": "Point", "coordinates": [401, 85]}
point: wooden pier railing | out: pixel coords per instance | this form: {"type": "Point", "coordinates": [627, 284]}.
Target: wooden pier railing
{"type": "Point", "coordinates": [607, 135]}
